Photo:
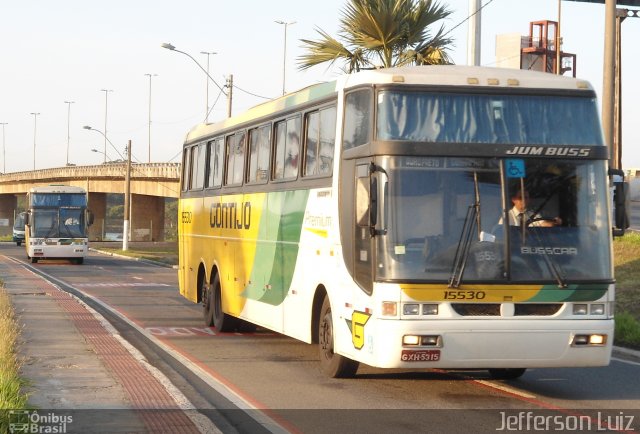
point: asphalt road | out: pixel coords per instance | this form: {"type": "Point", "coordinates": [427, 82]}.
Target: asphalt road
{"type": "Point", "coordinates": [279, 376]}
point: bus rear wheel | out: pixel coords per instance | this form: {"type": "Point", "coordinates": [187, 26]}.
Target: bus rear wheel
{"type": "Point", "coordinates": [207, 303]}
{"type": "Point", "coordinates": [221, 321]}
{"type": "Point", "coordinates": [332, 364]}
{"type": "Point", "coordinates": [507, 373]}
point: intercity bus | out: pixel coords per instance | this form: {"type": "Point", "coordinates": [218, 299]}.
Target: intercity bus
{"type": "Point", "coordinates": [56, 223]}
{"type": "Point", "coordinates": [365, 215]}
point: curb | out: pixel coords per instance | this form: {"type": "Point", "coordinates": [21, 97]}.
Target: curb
{"type": "Point", "coordinates": [132, 258]}
{"type": "Point", "coordinates": [626, 353]}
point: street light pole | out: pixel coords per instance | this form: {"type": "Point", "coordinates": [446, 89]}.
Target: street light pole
{"type": "Point", "coordinates": [284, 56]}
{"type": "Point", "coordinates": [4, 159]}
{"type": "Point", "coordinates": [68, 124]}
{"type": "Point", "coordinates": [35, 128]}
{"type": "Point", "coordinates": [228, 95]}
{"type": "Point", "coordinates": [206, 113]}
{"type": "Point", "coordinates": [87, 127]}
{"type": "Point", "coordinates": [106, 94]}
{"type": "Point", "coordinates": [127, 204]}
{"type": "Point", "coordinates": [150, 75]}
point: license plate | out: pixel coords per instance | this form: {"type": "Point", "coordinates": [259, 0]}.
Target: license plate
{"type": "Point", "coordinates": [420, 355]}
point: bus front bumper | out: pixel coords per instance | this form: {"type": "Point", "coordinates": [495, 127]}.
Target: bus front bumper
{"type": "Point", "coordinates": [485, 344]}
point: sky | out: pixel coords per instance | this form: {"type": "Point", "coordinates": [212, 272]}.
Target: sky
{"type": "Point", "coordinates": [70, 50]}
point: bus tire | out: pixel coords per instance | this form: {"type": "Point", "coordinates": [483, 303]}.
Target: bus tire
{"type": "Point", "coordinates": [18, 243]}
{"type": "Point", "coordinates": [506, 373]}
{"type": "Point", "coordinates": [79, 261]}
{"type": "Point", "coordinates": [207, 303]}
{"type": "Point", "coordinates": [34, 260]}
{"type": "Point", "coordinates": [332, 364]}
{"type": "Point", "coordinates": [221, 321]}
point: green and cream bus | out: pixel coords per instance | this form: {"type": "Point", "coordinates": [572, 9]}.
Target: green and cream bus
{"type": "Point", "coordinates": [365, 215]}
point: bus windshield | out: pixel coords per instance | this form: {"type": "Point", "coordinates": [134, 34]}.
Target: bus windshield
{"type": "Point", "coordinates": [487, 118]}
{"type": "Point", "coordinates": [58, 223]}
{"type": "Point", "coordinates": [434, 203]}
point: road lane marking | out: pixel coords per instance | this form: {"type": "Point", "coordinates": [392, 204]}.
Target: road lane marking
{"type": "Point", "coordinates": [117, 284]}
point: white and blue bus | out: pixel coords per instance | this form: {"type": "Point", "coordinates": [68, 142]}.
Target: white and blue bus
{"type": "Point", "coordinates": [56, 223]}
{"type": "Point", "coordinates": [366, 215]}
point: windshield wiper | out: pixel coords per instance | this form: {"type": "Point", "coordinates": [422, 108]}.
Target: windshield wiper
{"type": "Point", "coordinates": [471, 221]}
{"type": "Point", "coordinates": [553, 267]}
{"type": "Point", "coordinates": [464, 245]}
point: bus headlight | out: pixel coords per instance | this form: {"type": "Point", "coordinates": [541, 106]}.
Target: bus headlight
{"type": "Point", "coordinates": [587, 340]}
{"type": "Point", "coordinates": [410, 340]}
{"type": "Point", "coordinates": [597, 309]}
{"type": "Point", "coordinates": [580, 309]}
{"type": "Point", "coordinates": [411, 309]}
{"type": "Point", "coordinates": [429, 309]}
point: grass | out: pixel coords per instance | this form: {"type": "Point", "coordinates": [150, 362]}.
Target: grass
{"type": "Point", "coordinates": [11, 397]}
{"type": "Point", "coordinates": [166, 252]}
{"type": "Point", "coordinates": [626, 251]}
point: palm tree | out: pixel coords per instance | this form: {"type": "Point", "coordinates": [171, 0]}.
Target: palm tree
{"type": "Point", "coordinates": [382, 34]}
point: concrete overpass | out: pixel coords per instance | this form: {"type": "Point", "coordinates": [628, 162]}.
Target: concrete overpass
{"type": "Point", "coordinates": [151, 183]}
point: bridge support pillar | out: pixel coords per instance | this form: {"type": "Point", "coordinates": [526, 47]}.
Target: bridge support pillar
{"type": "Point", "coordinates": [8, 205]}
{"type": "Point", "coordinates": [98, 206]}
{"type": "Point", "coordinates": [147, 222]}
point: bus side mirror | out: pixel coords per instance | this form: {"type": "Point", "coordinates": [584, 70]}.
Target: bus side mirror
{"type": "Point", "coordinates": [89, 218]}
{"type": "Point", "coordinates": [620, 202]}
{"type": "Point", "coordinates": [26, 218]}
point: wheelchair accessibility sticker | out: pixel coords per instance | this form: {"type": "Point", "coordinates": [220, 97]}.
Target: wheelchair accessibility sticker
{"type": "Point", "coordinates": [515, 168]}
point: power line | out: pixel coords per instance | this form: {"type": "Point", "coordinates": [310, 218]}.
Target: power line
{"type": "Point", "coordinates": [467, 19]}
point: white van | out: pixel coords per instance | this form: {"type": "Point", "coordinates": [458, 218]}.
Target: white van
{"type": "Point", "coordinates": [18, 229]}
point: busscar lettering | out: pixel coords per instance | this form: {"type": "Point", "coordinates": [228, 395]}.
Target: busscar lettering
{"type": "Point", "coordinates": [526, 250]}
{"type": "Point", "coordinates": [230, 215]}
{"type": "Point", "coordinates": [549, 151]}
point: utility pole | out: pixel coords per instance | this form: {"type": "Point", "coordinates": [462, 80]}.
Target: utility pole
{"type": "Point", "coordinates": [127, 204]}
{"type": "Point", "coordinates": [608, 78]}
{"type": "Point", "coordinates": [229, 86]}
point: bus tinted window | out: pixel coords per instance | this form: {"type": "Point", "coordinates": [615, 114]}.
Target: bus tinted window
{"type": "Point", "coordinates": [321, 127]}
{"type": "Point", "coordinates": [235, 158]}
{"type": "Point", "coordinates": [287, 148]}
{"type": "Point", "coordinates": [185, 169]}
{"type": "Point", "coordinates": [259, 148]}
{"type": "Point", "coordinates": [215, 168]}
{"type": "Point", "coordinates": [197, 166]}
{"type": "Point", "coordinates": [357, 119]}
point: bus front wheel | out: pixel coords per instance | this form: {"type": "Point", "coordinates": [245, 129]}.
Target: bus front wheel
{"type": "Point", "coordinates": [332, 364]}
{"type": "Point", "coordinates": [221, 321]}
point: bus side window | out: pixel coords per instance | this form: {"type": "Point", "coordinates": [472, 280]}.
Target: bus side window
{"type": "Point", "coordinates": [235, 158]}
{"type": "Point", "coordinates": [258, 168]}
{"type": "Point", "coordinates": [186, 167]}
{"type": "Point", "coordinates": [197, 166]}
{"type": "Point", "coordinates": [357, 119]}
{"type": "Point", "coordinates": [287, 149]}
{"type": "Point", "coordinates": [215, 166]}
{"type": "Point", "coordinates": [319, 143]}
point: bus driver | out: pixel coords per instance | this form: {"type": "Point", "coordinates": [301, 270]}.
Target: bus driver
{"type": "Point", "coordinates": [520, 214]}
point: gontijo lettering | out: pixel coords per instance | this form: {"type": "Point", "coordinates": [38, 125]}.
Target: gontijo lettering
{"type": "Point", "coordinates": [230, 215]}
